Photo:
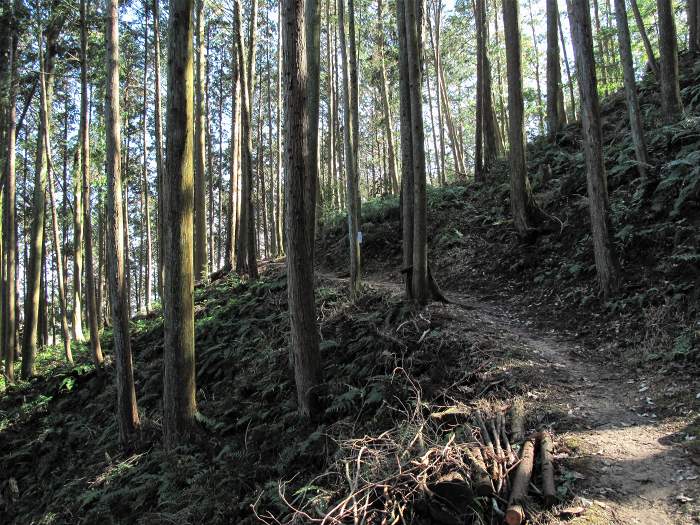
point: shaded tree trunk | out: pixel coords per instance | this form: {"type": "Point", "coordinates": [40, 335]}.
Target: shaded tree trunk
{"type": "Point", "coordinates": [301, 194]}
{"type": "Point", "coordinates": [521, 200]}
{"type": "Point", "coordinates": [555, 117]}
{"type": "Point", "coordinates": [407, 170]}
{"type": "Point", "coordinates": [200, 205]}
{"type": "Point", "coordinates": [127, 412]}
{"type": "Point", "coordinates": [568, 69]}
{"type": "Point", "coordinates": [352, 175]}
{"type": "Point", "coordinates": [599, 207]}
{"type": "Point", "coordinates": [8, 204]}
{"type": "Point", "coordinates": [160, 163]}
{"type": "Point", "coordinates": [144, 173]}
{"type": "Point", "coordinates": [413, 20]}
{"type": "Point", "coordinates": [246, 256]}
{"type": "Point", "coordinates": [671, 104]}
{"type": "Point", "coordinates": [385, 104]}
{"type": "Point", "coordinates": [635, 115]}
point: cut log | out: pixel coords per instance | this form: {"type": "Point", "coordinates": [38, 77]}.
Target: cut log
{"type": "Point", "coordinates": [517, 422]}
{"type": "Point", "coordinates": [481, 480]}
{"type": "Point", "coordinates": [488, 444]}
{"type": "Point", "coordinates": [511, 459]}
{"type": "Point", "coordinates": [548, 488]}
{"type": "Point", "coordinates": [515, 514]}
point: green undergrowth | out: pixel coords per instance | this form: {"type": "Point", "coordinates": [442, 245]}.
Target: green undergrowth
{"type": "Point", "coordinates": [473, 245]}
{"type": "Point", "coordinates": [61, 462]}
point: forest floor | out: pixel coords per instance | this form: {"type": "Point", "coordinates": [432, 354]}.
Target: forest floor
{"type": "Point", "coordinates": [630, 466]}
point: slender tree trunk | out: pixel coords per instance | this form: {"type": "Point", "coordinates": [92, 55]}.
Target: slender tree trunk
{"type": "Point", "coordinates": [234, 194]}
{"type": "Point", "coordinates": [246, 252]}
{"type": "Point", "coordinates": [478, 7]}
{"type": "Point", "coordinates": [653, 63]}
{"type": "Point", "coordinates": [540, 115]}
{"type": "Point", "coordinates": [555, 120]}
{"type": "Point", "coordinates": [521, 200]}
{"type": "Point", "coordinates": [127, 412]}
{"type": "Point", "coordinates": [8, 205]}
{"type": "Point", "coordinates": [599, 207]}
{"type": "Point", "coordinates": [636, 126]}
{"type": "Point", "coordinates": [312, 22]}
{"type": "Point", "coordinates": [352, 178]}
{"type": "Point", "coordinates": [269, 198]}
{"type": "Point", "coordinates": [179, 403]}
{"type": "Point", "coordinates": [32, 311]}
{"type": "Point", "coordinates": [569, 78]}
{"type": "Point", "coordinates": [279, 204]}
{"type": "Point", "coordinates": [600, 60]}
{"type": "Point", "coordinates": [56, 241]}
{"type": "Point", "coordinates": [148, 270]}
{"type": "Point", "coordinates": [671, 104]}
{"type": "Point", "coordinates": [330, 58]}
{"type": "Point", "coordinates": [385, 104]}
{"type": "Point", "coordinates": [159, 141]}
{"type": "Point", "coordinates": [77, 256]}
{"type": "Point", "coordinates": [200, 207]}
{"type": "Point", "coordinates": [407, 171]}
{"type": "Point", "coordinates": [92, 304]}
{"type": "Point", "coordinates": [301, 193]}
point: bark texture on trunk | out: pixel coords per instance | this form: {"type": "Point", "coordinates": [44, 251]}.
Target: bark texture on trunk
{"type": "Point", "coordinates": [635, 115]}
{"type": "Point", "coordinates": [179, 403]}
{"type": "Point", "coordinates": [127, 413]}
{"type": "Point", "coordinates": [90, 293]}
{"type": "Point", "coordinates": [599, 207]}
{"type": "Point", "coordinates": [200, 204]}
{"type": "Point", "coordinates": [671, 104]}
{"type": "Point", "coordinates": [653, 63]}
{"type": "Point", "coordinates": [419, 280]}
{"type": "Point", "coordinates": [301, 195]}
{"type": "Point", "coordinates": [555, 118]}
{"type": "Point", "coordinates": [352, 176]}
{"type": "Point", "coordinates": [521, 201]}
{"type": "Point", "coordinates": [391, 152]}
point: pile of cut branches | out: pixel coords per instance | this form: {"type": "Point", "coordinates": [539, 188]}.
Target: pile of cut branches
{"type": "Point", "coordinates": [447, 467]}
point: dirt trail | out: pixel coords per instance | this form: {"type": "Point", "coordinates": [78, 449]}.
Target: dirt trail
{"type": "Point", "coordinates": [630, 470]}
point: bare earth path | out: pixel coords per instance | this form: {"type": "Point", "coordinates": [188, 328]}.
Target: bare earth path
{"type": "Point", "coordinates": [628, 468]}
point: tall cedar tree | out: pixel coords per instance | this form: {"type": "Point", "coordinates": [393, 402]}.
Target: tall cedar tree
{"type": "Point", "coordinates": [9, 231]}
{"type": "Point", "coordinates": [522, 203]}
{"type": "Point", "coordinates": [635, 115]}
{"type": "Point", "coordinates": [91, 300]}
{"type": "Point", "coordinates": [351, 163]}
{"type": "Point", "coordinates": [200, 208]}
{"type": "Point", "coordinates": [300, 198]}
{"type": "Point", "coordinates": [599, 206]}
{"type": "Point", "coordinates": [668, 55]}
{"type": "Point", "coordinates": [179, 403]}
{"type": "Point", "coordinates": [127, 413]}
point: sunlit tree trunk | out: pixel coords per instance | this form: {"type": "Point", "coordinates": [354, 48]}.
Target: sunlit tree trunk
{"type": "Point", "coordinates": [568, 69]}
{"type": "Point", "coordinates": [555, 117]}
{"type": "Point", "coordinates": [127, 413]}
{"type": "Point", "coordinates": [179, 402]}
{"type": "Point", "coordinates": [200, 208]}
{"type": "Point", "coordinates": [92, 304]}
